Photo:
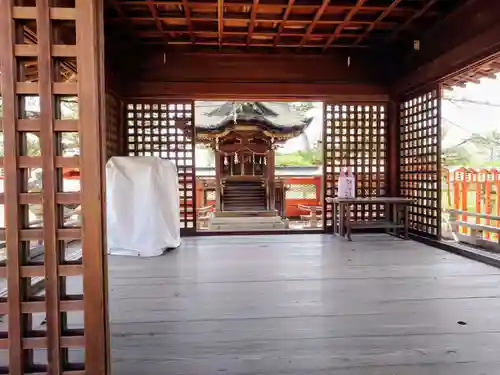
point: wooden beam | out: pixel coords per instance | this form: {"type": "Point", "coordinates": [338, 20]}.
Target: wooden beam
{"type": "Point", "coordinates": [48, 147]}
{"type": "Point", "coordinates": [288, 10]}
{"type": "Point", "coordinates": [274, 18]}
{"type": "Point", "coordinates": [187, 12]}
{"type": "Point", "coordinates": [251, 25]}
{"type": "Point", "coordinates": [214, 33]}
{"type": "Point", "coordinates": [124, 19]}
{"type": "Point", "coordinates": [90, 57]}
{"type": "Point", "coordinates": [259, 91]}
{"type": "Point", "coordinates": [416, 15]}
{"type": "Point", "coordinates": [273, 4]}
{"type": "Point", "coordinates": [317, 16]}
{"type": "Point", "coordinates": [158, 23]}
{"type": "Point", "coordinates": [220, 21]}
{"type": "Point", "coordinates": [382, 15]}
{"type": "Point", "coordinates": [340, 27]}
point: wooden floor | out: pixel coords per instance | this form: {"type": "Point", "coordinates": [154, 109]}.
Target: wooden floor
{"type": "Point", "coordinates": [304, 305]}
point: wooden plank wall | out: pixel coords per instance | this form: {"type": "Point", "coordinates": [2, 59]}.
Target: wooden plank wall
{"type": "Point", "coordinates": [251, 76]}
{"type": "Point", "coordinates": [57, 348]}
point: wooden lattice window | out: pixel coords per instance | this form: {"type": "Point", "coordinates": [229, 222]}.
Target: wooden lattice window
{"type": "Point", "coordinates": [301, 191]}
{"type": "Point", "coordinates": [355, 136]}
{"type": "Point", "coordinates": [51, 122]}
{"type": "Point", "coordinates": [420, 150]}
{"type": "Point", "coordinates": [166, 130]}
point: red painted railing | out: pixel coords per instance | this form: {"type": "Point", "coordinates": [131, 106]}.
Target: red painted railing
{"type": "Point", "coordinates": [475, 190]}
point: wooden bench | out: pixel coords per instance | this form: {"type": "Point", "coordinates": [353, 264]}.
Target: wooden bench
{"type": "Point", "coordinates": [477, 230]}
{"type": "Point", "coordinates": [396, 217]}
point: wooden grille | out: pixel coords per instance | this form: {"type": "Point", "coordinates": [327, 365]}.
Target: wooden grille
{"type": "Point", "coordinates": [113, 125]}
{"type": "Point", "coordinates": [45, 51]}
{"type": "Point", "coordinates": [419, 164]}
{"type": "Point", "coordinates": [166, 130]}
{"type": "Point", "coordinates": [355, 136]}
{"type": "Point", "coordinates": [301, 191]}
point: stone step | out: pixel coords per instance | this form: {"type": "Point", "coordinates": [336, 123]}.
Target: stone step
{"type": "Point", "coordinates": [239, 223]}
{"type": "Point", "coordinates": [244, 213]}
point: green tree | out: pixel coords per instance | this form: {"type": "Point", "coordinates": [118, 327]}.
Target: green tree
{"type": "Point", "coordinates": [456, 156]}
{"type": "Point", "coordinates": [300, 158]}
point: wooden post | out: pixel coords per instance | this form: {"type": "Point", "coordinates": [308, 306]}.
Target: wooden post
{"type": "Point", "coordinates": [50, 52]}
{"type": "Point", "coordinates": [393, 170]}
{"type": "Point", "coordinates": [270, 179]}
{"type": "Point", "coordinates": [11, 161]}
{"type": "Point", "coordinates": [90, 61]}
{"type": "Point", "coordinates": [218, 181]}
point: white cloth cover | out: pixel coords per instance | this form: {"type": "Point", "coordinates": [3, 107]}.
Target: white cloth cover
{"type": "Point", "coordinates": [142, 206]}
{"type": "Point", "coordinates": [347, 184]}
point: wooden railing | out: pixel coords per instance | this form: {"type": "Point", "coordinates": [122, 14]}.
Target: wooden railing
{"type": "Point", "coordinates": [466, 227]}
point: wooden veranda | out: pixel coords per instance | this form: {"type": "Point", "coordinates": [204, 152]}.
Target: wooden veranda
{"type": "Point", "coordinates": [135, 67]}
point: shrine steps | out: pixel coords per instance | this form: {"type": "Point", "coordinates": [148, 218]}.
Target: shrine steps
{"type": "Point", "coordinates": [244, 195]}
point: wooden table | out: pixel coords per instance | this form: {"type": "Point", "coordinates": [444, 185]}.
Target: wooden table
{"type": "Point", "coordinates": [342, 223]}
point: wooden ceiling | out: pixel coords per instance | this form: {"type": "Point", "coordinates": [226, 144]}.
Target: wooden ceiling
{"type": "Point", "coordinates": [299, 25]}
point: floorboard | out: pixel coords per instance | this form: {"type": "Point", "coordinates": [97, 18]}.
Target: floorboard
{"type": "Point", "coordinates": [304, 304]}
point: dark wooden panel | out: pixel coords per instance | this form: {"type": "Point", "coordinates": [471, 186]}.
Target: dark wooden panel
{"type": "Point", "coordinates": [355, 137]}
{"type": "Point", "coordinates": [231, 67]}
{"type": "Point", "coordinates": [261, 91]}
{"type": "Point", "coordinates": [420, 122]}
{"type": "Point", "coordinates": [450, 46]}
{"type": "Point", "coordinates": [166, 129]}
{"type": "Point", "coordinates": [271, 76]}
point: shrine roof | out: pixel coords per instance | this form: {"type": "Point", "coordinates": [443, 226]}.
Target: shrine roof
{"type": "Point", "coordinates": [214, 117]}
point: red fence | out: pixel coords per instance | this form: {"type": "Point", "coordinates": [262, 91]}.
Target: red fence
{"type": "Point", "coordinates": [472, 190]}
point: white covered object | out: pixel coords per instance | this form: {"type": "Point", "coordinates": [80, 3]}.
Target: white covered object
{"type": "Point", "coordinates": [142, 206]}
{"type": "Point", "coordinates": [347, 184]}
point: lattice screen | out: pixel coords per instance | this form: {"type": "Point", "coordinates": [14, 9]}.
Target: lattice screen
{"type": "Point", "coordinates": [49, 81]}
{"type": "Point", "coordinates": [355, 136]}
{"type": "Point", "coordinates": [113, 125]}
{"type": "Point", "coordinates": [301, 191]}
{"type": "Point", "coordinates": [420, 154]}
{"type": "Point", "coordinates": [166, 129]}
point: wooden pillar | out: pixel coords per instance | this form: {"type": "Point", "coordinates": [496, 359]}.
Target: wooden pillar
{"type": "Point", "coordinates": [218, 181]}
{"type": "Point", "coordinates": [50, 54]}
{"type": "Point", "coordinates": [393, 148]}
{"type": "Point", "coordinates": [270, 179]}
